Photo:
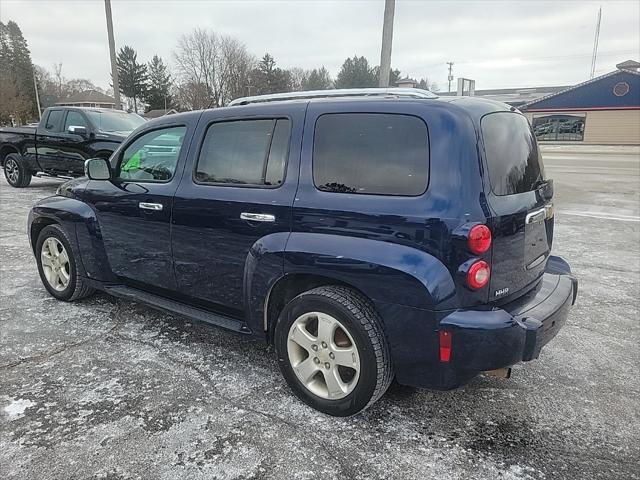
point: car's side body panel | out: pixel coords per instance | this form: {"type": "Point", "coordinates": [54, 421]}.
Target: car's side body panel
{"type": "Point", "coordinates": [212, 244]}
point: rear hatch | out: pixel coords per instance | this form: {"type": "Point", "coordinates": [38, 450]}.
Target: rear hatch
{"type": "Point", "coordinates": [520, 200]}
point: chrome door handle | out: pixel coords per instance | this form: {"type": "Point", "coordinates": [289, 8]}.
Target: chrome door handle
{"type": "Point", "coordinates": [536, 216]}
{"type": "Point", "coordinates": [258, 217]}
{"type": "Point", "coordinates": [150, 206]}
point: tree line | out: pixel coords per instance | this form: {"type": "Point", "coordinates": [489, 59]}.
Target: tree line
{"type": "Point", "coordinates": [208, 70]}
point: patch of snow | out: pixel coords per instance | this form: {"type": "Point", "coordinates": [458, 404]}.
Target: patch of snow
{"type": "Point", "coordinates": [17, 407]}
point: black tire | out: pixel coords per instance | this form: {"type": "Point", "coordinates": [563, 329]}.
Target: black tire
{"type": "Point", "coordinates": [16, 172]}
{"type": "Point", "coordinates": [356, 313]}
{"type": "Point", "coordinates": [77, 287]}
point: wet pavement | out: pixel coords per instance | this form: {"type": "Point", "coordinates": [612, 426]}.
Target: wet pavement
{"type": "Point", "coordinates": [110, 389]}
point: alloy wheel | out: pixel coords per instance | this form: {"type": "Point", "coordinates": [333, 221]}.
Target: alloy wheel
{"type": "Point", "coordinates": [11, 168]}
{"type": "Point", "coordinates": [323, 355]}
{"type": "Point", "coordinates": [55, 264]}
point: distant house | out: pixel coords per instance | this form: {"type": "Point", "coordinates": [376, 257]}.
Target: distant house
{"type": "Point", "coordinates": [602, 110]}
{"type": "Point", "coordinates": [159, 113]}
{"type": "Point", "coordinates": [88, 98]}
{"type": "Point", "coordinates": [406, 83]}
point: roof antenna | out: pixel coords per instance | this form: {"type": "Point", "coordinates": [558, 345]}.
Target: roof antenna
{"type": "Point", "coordinates": [595, 44]}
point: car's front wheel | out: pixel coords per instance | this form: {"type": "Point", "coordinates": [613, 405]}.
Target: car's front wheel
{"type": "Point", "coordinates": [16, 172]}
{"type": "Point", "coordinates": [332, 350]}
{"type": "Point", "coordinates": [58, 267]}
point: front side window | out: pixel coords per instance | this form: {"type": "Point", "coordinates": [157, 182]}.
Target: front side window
{"type": "Point", "coordinates": [514, 161]}
{"type": "Point", "coordinates": [153, 156]}
{"type": "Point", "coordinates": [74, 119]}
{"type": "Point", "coordinates": [245, 152]}
{"type": "Point", "coordinates": [372, 153]}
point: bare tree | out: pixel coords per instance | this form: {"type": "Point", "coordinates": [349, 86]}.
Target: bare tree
{"type": "Point", "coordinates": [59, 79]}
{"type": "Point", "coordinates": [299, 78]}
{"type": "Point", "coordinates": [212, 69]}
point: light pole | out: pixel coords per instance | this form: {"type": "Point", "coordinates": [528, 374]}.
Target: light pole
{"type": "Point", "coordinates": [387, 37]}
{"type": "Point", "coordinates": [112, 53]}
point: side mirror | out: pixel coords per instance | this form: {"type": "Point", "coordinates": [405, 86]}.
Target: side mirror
{"type": "Point", "coordinates": [97, 169]}
{"type": "Point", "coordinates": [77, 129]}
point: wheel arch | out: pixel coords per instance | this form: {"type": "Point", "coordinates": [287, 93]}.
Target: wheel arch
{"type": "Point", "coordinates": [385, 273]}
{"type": "Point", "coordinates": [6, 150]}
{"type": "Point", "coordinates": [36, 226]}
{"type": "Point", "coordinates": [286, 289]}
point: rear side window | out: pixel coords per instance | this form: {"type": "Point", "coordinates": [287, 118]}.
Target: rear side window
{"type": "Point", "coordinates": [513, 158]}
{"type": "Point", "coordinates": [374, 153]}
{"type": "Point", "coordinates": [54, 120]}
{"type": "Point", "coordinates": [245, 152]}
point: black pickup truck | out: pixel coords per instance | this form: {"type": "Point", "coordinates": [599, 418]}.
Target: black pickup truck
{"type": "Point", "coordinates": [62, 141]}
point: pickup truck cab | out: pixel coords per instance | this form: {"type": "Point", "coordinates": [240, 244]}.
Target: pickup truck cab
{"type": "Point", "coordinates": [62, 141]}
{"type": "Point", "coordinates": [368, 234]}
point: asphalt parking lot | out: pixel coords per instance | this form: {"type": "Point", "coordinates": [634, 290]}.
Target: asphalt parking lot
{"type": "Point", "coordinates": [106, 388]}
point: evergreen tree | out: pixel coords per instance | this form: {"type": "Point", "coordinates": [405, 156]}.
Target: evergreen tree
{"type": "Point", "coordinates": [132, 75]}
{"type": "Point", "coordinates": [159, 85]}
{"type": "Point", "coordinates": [356, 73]}
{"type": "Point", "coordinates": [318, 79]}
{"type": "Point", "coordinates": [268, 78]}
{"type": "Point", "coordinates": [17, 91]}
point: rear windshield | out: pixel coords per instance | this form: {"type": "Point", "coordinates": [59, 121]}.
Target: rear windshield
{"type": "Point", "coordinates": [515, 164]}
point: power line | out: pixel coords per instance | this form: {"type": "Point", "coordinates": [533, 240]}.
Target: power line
{"type": "Point", "coordinates": [595, 44]}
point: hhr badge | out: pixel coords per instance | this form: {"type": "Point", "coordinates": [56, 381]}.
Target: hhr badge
{"type": "Point", "coordinates": [502, 291]}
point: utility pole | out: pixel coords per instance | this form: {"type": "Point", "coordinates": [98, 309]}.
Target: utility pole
{"type": "Point", "coordinates": [595, 44]}
{"type": "Point", "coordinates": [387, 38]}
{"type": "Point", "coordinates": [112, 53]}
{"type": "Point", "coordinates": [35, 84]}
{"type": "Point", "coordinates": [450, 77]}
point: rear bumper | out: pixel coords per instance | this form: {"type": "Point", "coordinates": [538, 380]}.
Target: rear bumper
{"type": "Point", "coordinates": [490, 338]}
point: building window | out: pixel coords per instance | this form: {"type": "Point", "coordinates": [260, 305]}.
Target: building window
{"type": "Point", "coordinates": [559, 128]}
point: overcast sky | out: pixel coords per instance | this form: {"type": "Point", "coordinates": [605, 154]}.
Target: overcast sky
{"type": "Point", "coordinates": [497, 43]}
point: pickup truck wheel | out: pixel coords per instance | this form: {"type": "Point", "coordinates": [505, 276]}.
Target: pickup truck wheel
{"type": "Point", "coordinates": [57, 265]}
{"type": "Point", "coordinates": [332, 351]}
{"type": "Point", "coordinates": [15, 171]}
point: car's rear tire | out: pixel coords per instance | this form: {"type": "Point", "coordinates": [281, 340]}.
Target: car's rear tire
{"type": "Point", "coordinates": [58, 267]}
{"type": "Point", "coordinates": [332, 350]}
{"type": "Point", "coordinates": [16, 172]}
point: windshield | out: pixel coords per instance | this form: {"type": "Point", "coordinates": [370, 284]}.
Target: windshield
{"type": "Point", "coordinates": [115, 121]}
{"type": "Point", "coordinates": [513, 158]}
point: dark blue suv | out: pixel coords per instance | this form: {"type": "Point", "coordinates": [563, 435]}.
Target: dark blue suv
{"type": "Point", "coordinates": [367, 234]}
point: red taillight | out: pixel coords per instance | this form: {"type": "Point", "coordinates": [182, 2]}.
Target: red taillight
{"type": "Point", "coordinates": [445, 345]}
{"type": "Point", "coordinates": [479, 239]}
{"type": "Point", "coordinates": [478, 275]}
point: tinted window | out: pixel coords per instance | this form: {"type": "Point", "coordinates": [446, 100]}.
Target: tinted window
{"type": "Point", "coordinates": [371, 153]}
{"type": "Point", "coordinates": [515, 164]}
{"type": "Point", "coordinates": [54, 120]}
{"type": "Point", "coordinates": [74, 119]}
{"type": "Point", "coordinates": [245, 152]}
{"type": "Point", "coordinates": [152, 156]}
